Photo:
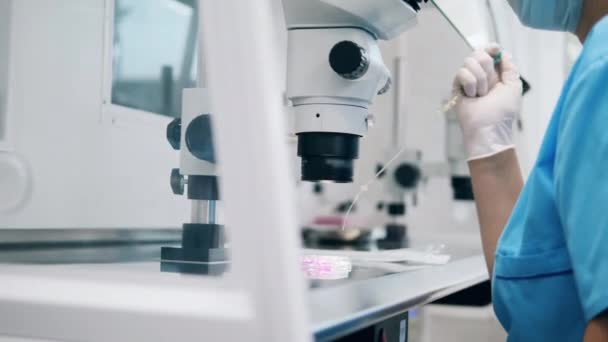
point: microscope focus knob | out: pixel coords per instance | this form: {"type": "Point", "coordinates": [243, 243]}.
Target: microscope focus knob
{"type": "Point", "coordinates": [407, 175]}
{"type": "Point", "coordinates": [174, 132]}
{"type": "Point", "coordinates": [177, 182]}
{"type": "Point", "coordinates": [349, 60]}
{"type": "Point", "coordinates": [199, 138]}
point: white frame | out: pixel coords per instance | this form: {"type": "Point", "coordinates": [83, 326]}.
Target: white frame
{"type": "Point", "coordinates": [241, 57]}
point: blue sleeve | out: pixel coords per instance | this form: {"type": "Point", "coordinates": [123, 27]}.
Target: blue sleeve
{"type": "Point", "coordinates": [581, 184]}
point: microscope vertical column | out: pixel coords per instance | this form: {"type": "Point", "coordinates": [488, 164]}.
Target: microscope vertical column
{"type": "Point", "coordinates": [203, 239]}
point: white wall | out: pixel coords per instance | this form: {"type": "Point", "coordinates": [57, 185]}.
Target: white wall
{"type": "Point", "coordinates": [433, 52]}
{"type": "Point", "coordinates": [85, 173]}
{"type": "Point", "coordinates": [4, 44]}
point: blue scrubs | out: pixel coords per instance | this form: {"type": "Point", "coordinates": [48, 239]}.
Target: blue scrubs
{"type": "Point", "coordinates": [551, 269]}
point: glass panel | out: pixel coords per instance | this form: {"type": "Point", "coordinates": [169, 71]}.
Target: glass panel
{"type": "Point", "coordinates": [154, 54]}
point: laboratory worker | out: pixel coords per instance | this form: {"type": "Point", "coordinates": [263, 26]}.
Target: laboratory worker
{"type": "Point", "coordinates": [545, 241]}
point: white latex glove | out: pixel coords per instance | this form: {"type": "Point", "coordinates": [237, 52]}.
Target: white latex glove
{"type": "Point", "coordinates": [490, 99]}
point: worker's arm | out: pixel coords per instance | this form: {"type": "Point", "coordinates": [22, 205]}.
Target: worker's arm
{"type": "Point", "coordinates": [597, 330]}
{"type": "Point", "coordinates": [490, 98]}
{"type": "Point", "coordinates": [581, 190]}
{"type": "Point", "coordinates": [497, 182]}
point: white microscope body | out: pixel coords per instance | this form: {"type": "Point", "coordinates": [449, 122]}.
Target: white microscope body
{"type": "Point", "coordinates": [334, 71]}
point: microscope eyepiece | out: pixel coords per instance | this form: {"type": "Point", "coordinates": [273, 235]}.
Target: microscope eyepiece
{"type": "Point", "coordinates": [328, 156]}
{"type": "Point", "coordinates": [349, 60]}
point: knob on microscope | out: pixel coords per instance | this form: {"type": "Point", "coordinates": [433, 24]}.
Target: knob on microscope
{"type": "Point", "coordinates": [407, 175]}
{"type": "Point", "coordinates": [174, 132]}
{"type": "Point", "coordinates": [349, 60]}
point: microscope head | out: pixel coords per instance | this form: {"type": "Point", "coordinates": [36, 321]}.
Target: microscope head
{"type": "Point", "coordinates": [334, 71]}
{"type": "Point", "coordinates": [384, 19]}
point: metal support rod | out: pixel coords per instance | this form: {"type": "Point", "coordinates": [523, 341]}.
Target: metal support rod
{"type": "Point", "coordinates": [203, 211]}
{"type": "Point", "coordinates": [199, 211]}
{"type": "Point", "coordinates": [211, 212]}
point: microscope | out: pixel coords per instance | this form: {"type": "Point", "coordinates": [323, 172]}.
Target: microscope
{"type": "Point", "coordinates": [203, 240]}
{"type": "Point", "coordinates": [334, 71]}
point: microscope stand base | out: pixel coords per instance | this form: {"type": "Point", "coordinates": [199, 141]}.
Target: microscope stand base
{"type": "Point", "coordinates": [194, 261]}
{"type": "Point", "coordinates": [200, 252]}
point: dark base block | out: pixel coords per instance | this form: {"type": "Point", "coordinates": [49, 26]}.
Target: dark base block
{"type": "Point", "coordinates": [396, 237]}
{"type": "Point", "coordinates": [194, 261]}
{"type": "Point", "coordinates": [201, 269]}
{"type": "Point", "coordinates": [392, 329]}
{"type": "Point", "coordinates": [202, 251]}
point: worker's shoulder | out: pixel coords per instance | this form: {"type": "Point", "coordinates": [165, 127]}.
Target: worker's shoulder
{"type": "Point", "coordinates": [599, 30]}
{"type": "Point", "coordinates": [595, 50]}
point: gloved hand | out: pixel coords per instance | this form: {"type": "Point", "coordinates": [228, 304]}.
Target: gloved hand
{"type": "Point", "coordinates": [490, 98]}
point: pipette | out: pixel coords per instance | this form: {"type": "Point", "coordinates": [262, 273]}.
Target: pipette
{"type": "Point", "coordinates": [454, 100]}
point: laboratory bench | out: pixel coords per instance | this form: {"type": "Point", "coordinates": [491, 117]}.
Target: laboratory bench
{"type": "Point", "coordinates": [352, 309]}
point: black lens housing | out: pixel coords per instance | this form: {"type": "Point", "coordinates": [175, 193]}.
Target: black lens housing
{"type": "Point", "coordinates": [328, 156]}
